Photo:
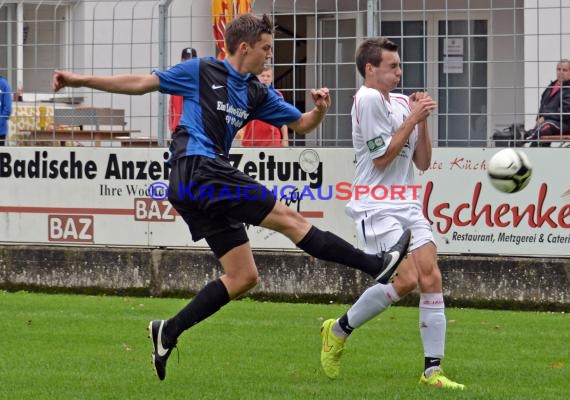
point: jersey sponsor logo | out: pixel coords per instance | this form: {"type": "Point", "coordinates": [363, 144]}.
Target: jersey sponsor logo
{"type": "Point", "coordinates": [234, 115]}
{"type": "Point", "coordinates": [375, 144]}
{"type": "Point", "coordinates": [216, 87]}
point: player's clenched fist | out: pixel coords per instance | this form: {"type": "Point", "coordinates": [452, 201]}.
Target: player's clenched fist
{"type": "Point", "coordinates": [61, 79]}
{"type": "Point", "coordinates": [422, 105]}
{"type": "Point", "coordinates": [321, 98]}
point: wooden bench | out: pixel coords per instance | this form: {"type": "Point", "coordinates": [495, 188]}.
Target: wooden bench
{"type": "Point", "coordinates": [61, 136]}
{"type": "Point", "coordinates": [555, 138]}
{"type": "Point", "coordinates": [82, 124]}
{"type": "Point", "coordinates": [93, 117]}
{"type": "Point", "coordinates": [141, 142]}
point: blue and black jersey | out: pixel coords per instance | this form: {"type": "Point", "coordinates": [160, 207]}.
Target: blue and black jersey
{"type": "Point", "coordinates": [218, 101]}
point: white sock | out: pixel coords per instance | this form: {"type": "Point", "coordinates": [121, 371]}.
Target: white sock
{"type": "Point", "coordinates": [432, 324]}
{"type": "Point", "coordinates": [372, 302]}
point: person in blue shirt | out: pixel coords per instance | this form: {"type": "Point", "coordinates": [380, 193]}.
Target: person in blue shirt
{"type": "Point", "coordinates": [220, 96]}
{"type": "Point", "coordinates": [5, 108]}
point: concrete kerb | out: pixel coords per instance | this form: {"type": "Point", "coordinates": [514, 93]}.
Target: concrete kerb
{"type": "Point", "coordinates": [474, 281]}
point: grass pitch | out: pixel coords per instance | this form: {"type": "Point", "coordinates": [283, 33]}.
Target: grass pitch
{"type": "Point", "coordinates": [89, 347]}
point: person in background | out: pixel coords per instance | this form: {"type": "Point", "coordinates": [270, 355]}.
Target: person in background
{"type": "Point", "coordinates": [260, 134]}
{"type": "Point", "coordinates": [175, 102]}
{"type": "Point", "coordinates": [554, 112]}
{"type": "Point", "coordinates": [5, 108]}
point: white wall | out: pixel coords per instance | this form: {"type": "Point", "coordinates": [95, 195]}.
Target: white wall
{"type": "Point", "coordinates": [42, 45]}
{"type": "Point", "coordinates": [506, 71]}
{"type": "Point", "coordinates": [122, 38]}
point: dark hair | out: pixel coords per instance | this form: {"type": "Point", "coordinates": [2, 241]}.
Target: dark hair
{"type": "Point", "coordinates": [188, 53]}
{"type": "Point", "coordinates": [370, 51]}
{"type": "Point", "coordinates": [246, 28]}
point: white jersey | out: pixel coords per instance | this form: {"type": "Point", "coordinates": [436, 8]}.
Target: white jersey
{"type": "Point", "coordinates": [374, 121]}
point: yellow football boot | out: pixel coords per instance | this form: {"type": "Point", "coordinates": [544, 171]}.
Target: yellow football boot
{"type": "Point", "coordinates": [438, 380]}
{"type": "Point", "coordinates": [331, 350]}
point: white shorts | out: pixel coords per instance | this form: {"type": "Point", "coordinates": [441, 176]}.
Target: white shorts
{"type": "Point", "coordinates": [378, 230]}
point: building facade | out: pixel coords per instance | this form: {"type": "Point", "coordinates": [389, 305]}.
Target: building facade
{"type": "Point", "coordinates": [486, 62]}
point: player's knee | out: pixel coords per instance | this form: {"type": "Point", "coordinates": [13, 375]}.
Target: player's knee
{"type": "Point", "coordinates": [249, 281]}
{"type": "Point", "coordinates": [407, 279]}
{"type": "Point", "coordinates": [430, 279]}
{"type": "Point", "coordinates": [243, 282]}
{"type": "Point", "coordinates": [287, 221]}
{"type": "Point", "coordinates": [291, 217]}
{"type": "Point", "coordinates": [298, 222]}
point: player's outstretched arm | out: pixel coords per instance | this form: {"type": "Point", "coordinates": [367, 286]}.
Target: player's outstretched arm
{"type": "Point", "coordinates": [124, 84]}
{"type": "Point", "coordinates": [311, 119]}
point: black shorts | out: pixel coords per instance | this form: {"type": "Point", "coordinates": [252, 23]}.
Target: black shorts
{"type": "Point", "coordinates": [214, 197]}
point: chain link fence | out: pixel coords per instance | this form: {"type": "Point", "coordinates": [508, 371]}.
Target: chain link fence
{"type": "Point", "coordinates": [486, 62]}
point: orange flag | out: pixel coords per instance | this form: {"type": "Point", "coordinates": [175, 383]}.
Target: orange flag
{"type": "Point", "coordinates": [222, 12]}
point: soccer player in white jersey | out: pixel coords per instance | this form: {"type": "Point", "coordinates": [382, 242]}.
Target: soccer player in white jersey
{"type": "Point", "coordinates": [390, 134]}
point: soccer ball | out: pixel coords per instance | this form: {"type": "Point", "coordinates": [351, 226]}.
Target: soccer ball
{"type": "Point", "coordinates": [509, 170]}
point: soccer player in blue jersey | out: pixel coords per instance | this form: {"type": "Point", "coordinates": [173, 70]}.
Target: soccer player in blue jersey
{"type": "Point", "coordinates": [220, 96]}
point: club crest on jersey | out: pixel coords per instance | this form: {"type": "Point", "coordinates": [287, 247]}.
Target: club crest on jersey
{"type": "Point", "coordinates": [375, 144]}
